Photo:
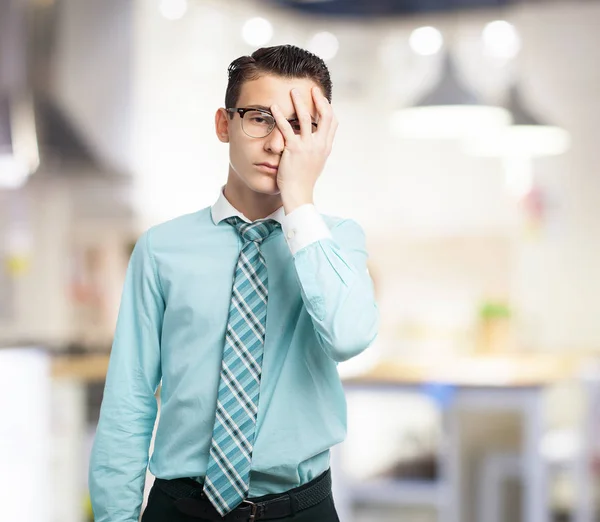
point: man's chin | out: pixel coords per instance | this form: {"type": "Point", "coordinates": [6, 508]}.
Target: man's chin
{"type": "Point", "coordinates": [265, 185]}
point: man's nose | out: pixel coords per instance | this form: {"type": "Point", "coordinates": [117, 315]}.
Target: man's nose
{"type": "Point", "coordinates": [275, 142]}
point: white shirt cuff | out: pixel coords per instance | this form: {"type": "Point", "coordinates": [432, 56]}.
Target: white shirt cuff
{"type": "Point", "coordinates": [304, 226]}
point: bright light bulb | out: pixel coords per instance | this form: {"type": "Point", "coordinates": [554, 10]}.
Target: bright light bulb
{"type": "Point", "coordinates": [520, 140]}
{"type": "Point", "coordinates": [173, 9]}
{"type": "Point", "coordinates": [257, 31]}
{"type": "Point", "coordinates": [324, 44]}
{"type": "Point", "coordinates": [426, 41]}
{"type": "Point", "coordinates": [446, 122]}
{"type": "Point", "coordinates": [13, 172]}
{"type": "Point", "coordinates": [501, 39]}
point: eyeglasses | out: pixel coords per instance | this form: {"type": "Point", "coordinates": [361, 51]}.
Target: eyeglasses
{"type": "Point", "coordinates": [259, 123]}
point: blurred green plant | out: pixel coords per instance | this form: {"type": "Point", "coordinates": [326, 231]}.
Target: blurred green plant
{"type": "Point", "coordinates": [494, 310]}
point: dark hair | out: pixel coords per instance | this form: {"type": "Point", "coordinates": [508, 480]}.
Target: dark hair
{"type": "Point", "coordinates": [287, 61]}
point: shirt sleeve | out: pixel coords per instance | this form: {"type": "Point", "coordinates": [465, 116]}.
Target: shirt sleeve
{"type": "Point", "coordinates": [304, 226]}
{"type": "Point", "coordinates": [120, 451]}
{"type": "Point", "coordinates": [338, 292]}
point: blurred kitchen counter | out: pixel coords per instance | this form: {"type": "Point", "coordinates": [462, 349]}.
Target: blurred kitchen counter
{"type": "Point", "coordinates": [506, 370]}
{"type": "Point", "coordinates": [514, 370]}
{"type": "Point", "coordinates": [88, 368]}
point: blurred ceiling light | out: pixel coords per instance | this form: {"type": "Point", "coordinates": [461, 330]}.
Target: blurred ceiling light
{"type": "Point", "coordinates": [19, 155]}
{"type": "Point", "coordinates": [173, 9]}
{"type": "Point", "coordinates": [13, 172]}
{"type": "Point", "coordinates": [526, 137]}
{"type": "Point", "coordinates": [257, 31]}
{"type": "Point", "coordinates": [426, 41]}
{"type": "Point", "coordinates": [518, 144]}
{"type": "Point", "coordinates": [324, 44]}
{"type": "Point", "coordinates": [501, 40]}
{"type": "Point", "coordinates": [448, 111]}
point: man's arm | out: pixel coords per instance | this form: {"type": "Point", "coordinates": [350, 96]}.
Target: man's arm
{"type": "Point", "coordinates": [120, 453]}
{"type": "Point", "coordinates": [335, 284]}
{"type": "Point", "coordinates": [332, 270]}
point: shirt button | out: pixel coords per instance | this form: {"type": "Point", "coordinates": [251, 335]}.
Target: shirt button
{"type": "Point", "coordinates": [291, 234]}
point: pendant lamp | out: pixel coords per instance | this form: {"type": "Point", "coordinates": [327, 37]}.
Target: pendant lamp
{"type": "Point", "coordinates": [449, 111]}
{"type": "Point", "coordinates": [528, 136]}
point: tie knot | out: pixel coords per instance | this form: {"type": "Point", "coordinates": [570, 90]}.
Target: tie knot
{"type": "Point", "coordinates": [257, 231]}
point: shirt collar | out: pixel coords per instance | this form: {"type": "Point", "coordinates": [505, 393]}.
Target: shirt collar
{"type": "Point", "coordinates": [222, 209]}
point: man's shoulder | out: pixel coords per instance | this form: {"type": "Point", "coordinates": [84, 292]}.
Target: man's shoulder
{"type": "Point", "coordinates": [180, 226]}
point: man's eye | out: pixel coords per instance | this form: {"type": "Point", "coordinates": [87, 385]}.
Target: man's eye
{"type": "Point", "coordinates": [258, 119]}
{"type": "Point", "coordinates": [295, 124]}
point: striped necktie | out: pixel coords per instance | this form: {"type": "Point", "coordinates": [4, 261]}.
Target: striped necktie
{"type": "Point", "coordinates": [227, 478]}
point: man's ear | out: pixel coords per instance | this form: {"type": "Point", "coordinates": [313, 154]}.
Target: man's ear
{"type": "Point", "coordinates": [222, 125]}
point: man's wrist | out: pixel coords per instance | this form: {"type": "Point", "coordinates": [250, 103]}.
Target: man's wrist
{"type": "Point", "coordinates": [291, 203]}
{"type": "Point", "coordinates": [304, 226]}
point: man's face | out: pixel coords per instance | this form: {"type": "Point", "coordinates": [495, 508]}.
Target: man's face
{"type": "Point", "coordinates": [250, 157]}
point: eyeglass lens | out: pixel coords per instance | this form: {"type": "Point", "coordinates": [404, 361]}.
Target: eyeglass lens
{"type": "Point", "coordinates": [258, 124]}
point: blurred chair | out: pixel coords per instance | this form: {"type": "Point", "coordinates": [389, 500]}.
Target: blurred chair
{"type": "Point", "coordinates": [576, 451]}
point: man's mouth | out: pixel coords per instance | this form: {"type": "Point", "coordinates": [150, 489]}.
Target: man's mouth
{"type": "Point", "coordinates": [268, 166]}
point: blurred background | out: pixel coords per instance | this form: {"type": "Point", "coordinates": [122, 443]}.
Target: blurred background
{"type": "Point", "coordinates": [468, 151]}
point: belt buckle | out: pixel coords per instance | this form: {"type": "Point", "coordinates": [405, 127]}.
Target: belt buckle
{"type": "Point", "coordinates": [253, 509]}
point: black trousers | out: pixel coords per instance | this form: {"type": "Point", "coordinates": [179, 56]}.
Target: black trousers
{"type": "Point", "coordinates": [161, 508]}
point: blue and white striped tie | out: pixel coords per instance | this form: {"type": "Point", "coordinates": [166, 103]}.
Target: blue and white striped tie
{"type": "Point", "coordinates": [227, 478]}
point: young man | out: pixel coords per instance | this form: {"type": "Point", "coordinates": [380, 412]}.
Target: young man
{"type": "Point", "coordinates": [243, 310]}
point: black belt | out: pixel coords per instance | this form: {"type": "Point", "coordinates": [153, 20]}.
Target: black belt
{"type": "Point", "coordinates": [191, 500]}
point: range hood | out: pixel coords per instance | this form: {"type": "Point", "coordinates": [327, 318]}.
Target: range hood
{"type": "Point", "coordinates": [35, 133]}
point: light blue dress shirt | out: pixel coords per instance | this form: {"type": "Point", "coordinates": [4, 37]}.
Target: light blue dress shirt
{"type": "Point", "coordinates": [171, 326]}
